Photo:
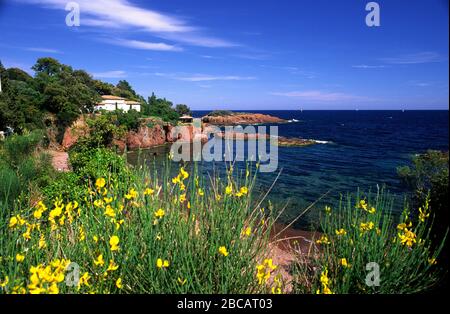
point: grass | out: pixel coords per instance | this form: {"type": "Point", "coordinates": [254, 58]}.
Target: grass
{"type": "Point", "coordinates": [165, 235]}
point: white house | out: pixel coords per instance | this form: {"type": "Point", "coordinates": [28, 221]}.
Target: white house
{"type": "Point", "coordinates": [111, 103]}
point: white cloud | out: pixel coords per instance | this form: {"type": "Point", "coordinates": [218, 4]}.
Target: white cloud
{"type": "Point", "coordinates": [145, 45]}
{"type": "Point", "coordinates": [204, 77]}
{"type": "Point", "coordinates": [110, 74]}
{"type": "Point", "coordinates": [415, 58]}
{"type": "Point", "coordinates": [319, 96]}
{"type": "Point", "coordinates": [365, 66]}
{"type": "Point", "coordinates": [44, 50]}
{"type": "Point", "coordinates": [124, 15]}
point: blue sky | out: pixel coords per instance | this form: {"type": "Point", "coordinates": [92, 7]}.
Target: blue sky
{"type": "Point", "coordinates": [252, 54]}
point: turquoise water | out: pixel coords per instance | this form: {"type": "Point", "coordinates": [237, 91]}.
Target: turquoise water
{"type": "Point", "coordinates": [363, 149]}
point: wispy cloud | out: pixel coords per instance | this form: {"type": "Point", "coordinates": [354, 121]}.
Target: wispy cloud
{"type": "Point", "coordinates": [365, 66]}
{"type": "Point", "coordinates": [110, 74]}
{"type": "Point", "coordinates": [129, 17]}
{"type": "Point", "coordinates": [252, 56]}
{"type": "Point", "coordinates": [415, 58]}
{"type": "Point", "coordinates": [319, 96]}
{"type": "Point", "coordinates": [145, 45]}
{"type": "Point", "coordinates": [204, 77]}
{"type": "Point", "coordinates": [43, 50]}
{"type": "Point", "coordinates": [292, 70]}
{"type": "Point", "coordinates": [420, 83]}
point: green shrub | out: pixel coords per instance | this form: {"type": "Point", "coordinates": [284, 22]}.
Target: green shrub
{"type": "Point", "coordinates": [362, 231]}
{"type": "Point", "coordinates": [161, 234]}
{"type": "Point", "coordinates": [67, 185]}
{"type": "Point", "coordinates": [92, 163]}
{"type": "Point", "coordinates": [17, 148]}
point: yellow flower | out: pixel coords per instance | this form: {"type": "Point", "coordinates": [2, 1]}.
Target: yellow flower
{"type": "Point", "coordinates": [110, 211]}
{"type": "Point", "coordinates": [269, 263]}
{"type": "Point", "coordinates": [99, 261]}
{"type": "Point", "coordinates": [264, 270]}
{"type": "Point", "coordinates": [13, 222]}
{"type": "Point", "coordinates": [95, 238]}
{"type": "Point", "coordinates": [119, 283]}
{"type": "Point", "coordinates": [372, 210]}
{"type": "Point", "coordinates": [276, 290]}
{"type": "Point", "coordinates": [131, 194]}
{"type": "Point", "coordinates": [84, 280]}
{"type": "Point", "coordinates": [149, 191]}
{"type": "Point", "coordinates": [112, 266]}
{"type": "Point", "coordinates": [100, 183]}
{"type": "Point", "coordinates": [324, 280]}
{"type": "Point", "coordinates": [53, 289]}
{"type": "Point", "coordinates": [182, 198]}
{"type": "Point", "coordinates": [114, 243]}
{"type": "Point", "coordinates": [244, 190]}
{"type": "Point", "coordinates": [248, 231]}
{"type": "Point", "coordinates": [229, 190]}
{"type": "Point", "coordinates": [42, 244]}
{"type": "Point", "coordinates": [108, 200]}
{"type": "Point", "coordinates": [341, 232]}
{"type": "Point", "coordinates": [423, 214]}
{"type": "Point", "coordinates": [20, 258]}
{"type": "Point", "coordinates": [183, 173]}
{"type": "Point", "coordinates": [345, 263]}
{"type": "Point", "coordinates": [200, 192]}
{"type": "Point", "coordinates": [407, 238]}
{"type": "Point", "coordinates": [323, 240]}
{"type": "Point", "coordinates": [328, 210]}
{"type": "Point", "coordinates": [99, 203]}
{"type": "Point", "coordinates": [162, 263]}
{"type": "Point", "coordinates": [4, 282]}
{"type": "Point", "coordinates": [176, 180]}
{"type": "Point", "coordinates": [182, 282]}
{"type": "Point", "coordinates": [82, 235]}
{"type": "Point", "coordinates": [223, 251]}
{"type": "Point", "coordinates": [366, 226]}
{"type": "Point", "coordinates": [403, 226]}
{"type": "Point", "coordinates": [432, 261]}
{"type": "Point", "coordinates": [159, 214]}
{"type": "Point", "coordinates": [38, 213]}
{"type": "Point", "coordinates": [362, 204]}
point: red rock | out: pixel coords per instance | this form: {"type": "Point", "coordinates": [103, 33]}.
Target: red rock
{"type": "Point", "coordinates": [245, 118]}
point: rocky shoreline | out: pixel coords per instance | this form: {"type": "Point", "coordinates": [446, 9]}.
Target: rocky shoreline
{"type": "Point", "coordinates": [241, 118]}
{"type": "Point", "coordinates": [153, 132]}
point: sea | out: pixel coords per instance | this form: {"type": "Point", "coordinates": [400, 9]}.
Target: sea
{"type": "Point", "coordinates": [356, 151]}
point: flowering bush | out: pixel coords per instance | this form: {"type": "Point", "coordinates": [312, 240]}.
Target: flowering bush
{"type": "Point", "coordinates": [144, 233]}
{"type": "Point", "coordinates": [361, 241]}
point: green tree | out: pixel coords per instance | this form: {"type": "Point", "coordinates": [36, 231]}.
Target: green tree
{"type": "Point", "coordinates": [182, 109]}
{"type": "Point", "coordinates": [161, 107]}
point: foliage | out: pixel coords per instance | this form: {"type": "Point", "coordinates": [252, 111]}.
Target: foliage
{"type": "Point", "coordinates": [23, 167]}
{"type": "Point", "coordinates": [161, 108]}
{"type": "Point", "coordinates": [428, 175]}
{"type": "Point", "coordinates": [60, 90]}
{"type": "Point", "coordinates": [182, 110]}
{"type": "Point", "coordinates": [130, 120]}
{"type": "Point", "coordinates": [96, 162]}
{"type": "Point", "coordinates": [126, 237]}
{"type": "Point", "coordinates": [361, 231]}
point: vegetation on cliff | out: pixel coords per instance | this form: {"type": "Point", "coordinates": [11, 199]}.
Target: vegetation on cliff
{"type": "Point", "coordinates": [66, 93]}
